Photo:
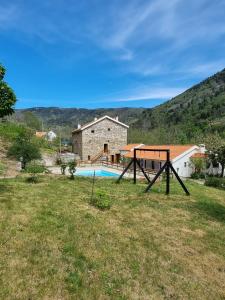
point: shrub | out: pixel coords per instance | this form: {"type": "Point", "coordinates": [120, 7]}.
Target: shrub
{"type": "Point", "coordinates": [101, 200]}
{"type": "Point", "coordinates": [216, 182]}
{"type": "Point", "coordinates": [24, 149]}
{"type": "Point", "coordinates": [35, 168]}
{"type": "Point", "coordinates": [58, 161]}
{"type": "Point", "coordinates": [2, 168]}
{"type": "Point", "coordinates": [32, 179]}
{"type": "Point", "coordinates": [63, 168]}
{"type": "Point", "coordinates": [197, 175]}
{"type": "Point", "coordinates": [72, 168]}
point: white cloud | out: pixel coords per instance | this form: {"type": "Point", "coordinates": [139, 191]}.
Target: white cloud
{"type": "Point", "coordinates": [151, 94]}
{"type": "Point", "coordinates": [146, 37]}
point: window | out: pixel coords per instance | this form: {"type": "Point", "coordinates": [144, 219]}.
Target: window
{"type": "Point", "coordinates": [89, 157]}
{"type": "Point", "coordinates": [92, 131]}
{"type": "Point", "coordinates": [109, 129]}
{"type": "Point", "coordinates": [185, 164]}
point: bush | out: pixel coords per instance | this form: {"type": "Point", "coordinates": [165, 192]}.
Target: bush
{"type": "Point", "coordinates": [32, 179]}
{"type": "Point", "coordinates": [101, 200]}
{"type": "Point", "coordinates": [24, 149]}
{"type": "Point", "coordinates": [197, 175]}
{"type": "Point", "coordinates": [72, 168]}
{"type": "Point", "coordinates": [216, 182]}
{"type": "Point", "coordinates": [63, 168]}
{"type": "Point", "coordinates": [35, 168]}
{"type": "Point", "coordinates": [2, 168]}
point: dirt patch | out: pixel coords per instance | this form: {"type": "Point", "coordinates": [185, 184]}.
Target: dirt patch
{"type": "Point", "coordinates": [10, 167]}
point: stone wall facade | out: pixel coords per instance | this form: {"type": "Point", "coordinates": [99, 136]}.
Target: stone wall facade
{"type": "Point", "coordinates": [105, 134]}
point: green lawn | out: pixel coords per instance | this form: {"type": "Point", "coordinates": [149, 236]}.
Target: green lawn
{"type": "Point", "coordinates": [54, 245]}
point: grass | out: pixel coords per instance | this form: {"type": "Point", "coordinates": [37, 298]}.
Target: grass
{"type": "Point", "coordinates": [55, 245]}
{"type": "Point", "coordinates": [2, 168]}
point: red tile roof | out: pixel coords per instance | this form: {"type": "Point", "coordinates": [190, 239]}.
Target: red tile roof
{"type": "Point", "coordinates": [130, 147]}
{"type": "Point", "coordinates": [175, 150]}
{"type": "Point", "coordinates": [199, 155]}
{"type": "Point", "coordinates": [40, 134]}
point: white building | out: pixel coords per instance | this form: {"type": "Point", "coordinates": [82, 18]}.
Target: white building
{"type": "Point", "coordinates": [180, 156]}
{"type": "Point", "coordinates": [51, 135]}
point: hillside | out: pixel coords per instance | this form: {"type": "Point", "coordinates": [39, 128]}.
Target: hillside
{"type": "Point", "coordinates": [187, 117]}
{"type": "Point", "coordinates": [54, 116]}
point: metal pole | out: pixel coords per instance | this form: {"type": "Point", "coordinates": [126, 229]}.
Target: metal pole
{"type": "Point", "coordinates": [168, 172]}
{"type": "Point", "coordinates": [125, 170]}
{"type": "Point", "coordinates": [60, 142]}
{"type": "Point", "coordinates": [155, 178]}
{"type": "Point", "coordinates": [179, 179]}
{"type": "Point", "coordinates": [135, 166]}
{"type": "Point", "coordinates": [143, 171]}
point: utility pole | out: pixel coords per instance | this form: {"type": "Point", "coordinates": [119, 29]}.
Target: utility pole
{"type": "Point", "coordinates": [60, 142]}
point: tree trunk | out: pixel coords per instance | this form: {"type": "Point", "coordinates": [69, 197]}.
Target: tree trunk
{"type": "Point", "coordinates": [222, 171]}
{"type": "Point", "coordinates": [23, 165]}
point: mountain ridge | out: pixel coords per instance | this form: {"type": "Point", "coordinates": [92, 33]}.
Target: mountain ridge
{"type": "Point", "coordinates": [188, 117]}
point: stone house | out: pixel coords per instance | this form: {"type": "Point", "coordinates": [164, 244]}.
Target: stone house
{"type": "Point", "coordinates": [101, 139]}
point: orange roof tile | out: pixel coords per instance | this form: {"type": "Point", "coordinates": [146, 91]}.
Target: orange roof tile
{"type": "Point", "coordinates": [199, 155]}
{"type": "Point", "coordinates": [175, 150]}
{"type": "Point", "coordinates": [130, 147]}
{"type": "Point", "coordinates": [40, 134]}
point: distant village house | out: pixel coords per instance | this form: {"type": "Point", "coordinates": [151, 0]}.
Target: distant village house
{"type": "Point", "coordinates": [49, 136]}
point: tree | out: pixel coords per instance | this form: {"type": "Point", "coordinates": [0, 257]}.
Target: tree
{"type": "Point", "coordinates": [63, 168]}
{"type": "Point", "coordinates": [7, 96]}
{"type": "Point", "coordinates": [199, 164]}
{"type": "Point", "coordinates": [72, 168]}
{"type": "Point", "coordinates": [221, 158]}
{"type": "Point", "coordinates": [31, 120]}
{"type": "Point", "coordinates": [217, 156]}
{"type": "Point", "coordinates": [24, 149]}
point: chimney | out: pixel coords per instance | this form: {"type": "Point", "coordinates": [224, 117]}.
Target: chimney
{"type": "Point", "coordinates": [78, 126]}
{"type": "Point", "coordinates": [202, 148]}
{"type": "Point", "coordinates": [95, 119]}
{"type": "Point", "coordinates": [117, 118]}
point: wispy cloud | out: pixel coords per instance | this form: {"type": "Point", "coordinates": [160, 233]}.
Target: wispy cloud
{"type": "Point", "coordinates": [152, 42]}
{"type": "Point", "coordinates": [152, 94]}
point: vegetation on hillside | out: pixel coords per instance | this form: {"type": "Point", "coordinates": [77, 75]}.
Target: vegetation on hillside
{"type": "Point", "coordinates": [68, 118]}
{"type": "Point", "coordinates": [24, 149]}
{"type": "Point", "coordinates": [55, 245]}
{"type": "Point", "coordinates": [189, 117]}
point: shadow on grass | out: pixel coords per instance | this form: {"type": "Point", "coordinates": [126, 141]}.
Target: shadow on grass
{"type": "Point", "coordinates": [4, 188]}
{"type": "Point", "coordinates": [207, 209]}
{"type": "Point", "coordinates": [212, 209]}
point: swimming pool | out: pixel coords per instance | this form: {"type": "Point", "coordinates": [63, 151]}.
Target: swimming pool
{"type": "Point", "coordinates": [98, 173]}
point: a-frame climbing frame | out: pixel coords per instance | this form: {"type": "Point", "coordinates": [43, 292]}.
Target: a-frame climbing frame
{"type": "Point", "coordinates": [167, 167]}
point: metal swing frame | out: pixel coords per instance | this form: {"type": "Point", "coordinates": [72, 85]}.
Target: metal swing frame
{"type": "Point", "coordinates": [167, 167]}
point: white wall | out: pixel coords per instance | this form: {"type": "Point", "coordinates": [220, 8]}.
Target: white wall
{"type": "Point", "coordinates": [182, 164]}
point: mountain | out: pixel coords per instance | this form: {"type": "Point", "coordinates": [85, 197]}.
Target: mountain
{"type": "Point", "coordinates": [67, 119]}
{"type": "Point", "coordinates": [189, 117]}
{"type": "Point", "coordinates": [54, 116]}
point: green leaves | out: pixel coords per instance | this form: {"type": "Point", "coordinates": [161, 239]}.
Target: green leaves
{"type": "Point", "coordinates": [7, 96]}
{"type": "Point", "coordinates": [24, 149]}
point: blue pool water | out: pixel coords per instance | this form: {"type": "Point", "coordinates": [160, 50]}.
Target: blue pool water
{"type": "Point", "coordinates": [98, 173]}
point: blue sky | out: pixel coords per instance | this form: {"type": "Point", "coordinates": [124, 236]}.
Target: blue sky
{"type": "Point", "coordinates": [100, 53]}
